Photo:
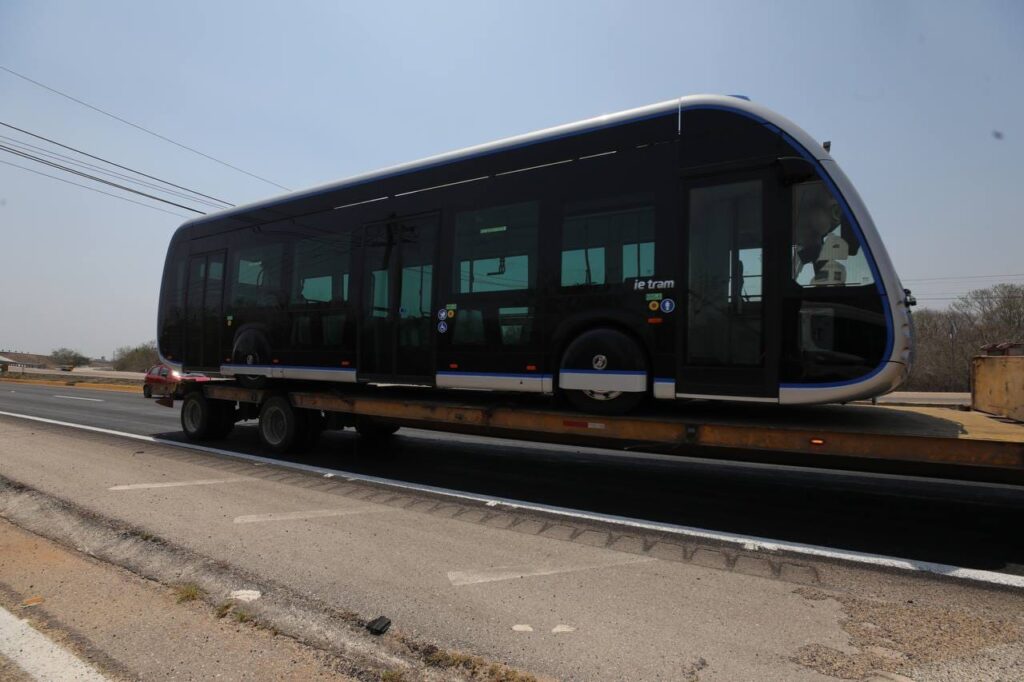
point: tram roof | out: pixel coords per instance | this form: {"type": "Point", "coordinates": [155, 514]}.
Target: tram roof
{"type": "Point", "coordinates": [734, 103]}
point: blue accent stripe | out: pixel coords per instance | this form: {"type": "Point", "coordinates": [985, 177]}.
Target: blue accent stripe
{"type": "Point", "coordinates": [660, 380]}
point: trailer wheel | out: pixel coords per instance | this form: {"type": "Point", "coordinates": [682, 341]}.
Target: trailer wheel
{"type": "Point", "coordinates": [373, 429]}
{"type": "Point", "coordinates": [598, 350]}
{"type": "Point", "coordinates": [199, 416]}
{"type": "Point", "coordinates": [279, 425]}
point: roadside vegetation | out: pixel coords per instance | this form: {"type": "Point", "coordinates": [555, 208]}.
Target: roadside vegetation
{"type": "Point", "coordinates": [948, 339]}
{"type": "Point", "coordinates": [136, 358]}
{"type": "Point", "coordinates": [68, 357]}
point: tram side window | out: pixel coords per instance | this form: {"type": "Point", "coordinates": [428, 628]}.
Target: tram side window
{"type": "Point", "coordinates": [256, 277]}
{"type": "Point", "coordinates": [608, 245]}
{"type": "Point", "coordinates": [321, 270]}
{"type": "Point", "coordinates": [496, 248]}
{"type": "Point", "coordinates": [825, 250]}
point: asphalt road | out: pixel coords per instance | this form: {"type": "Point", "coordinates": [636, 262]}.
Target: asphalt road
{"type": "Point", "coordinates": [965, 524]}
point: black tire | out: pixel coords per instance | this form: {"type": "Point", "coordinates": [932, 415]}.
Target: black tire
{"type": "Point", "coordinates": [147, 391]}
{"type": "Point", "coordinates": [604, 348]}
{"type": "Point", "coordinates": [376, 430]}
{"type": "Point", "coordinates": [251, 348]}
{"type": "Point", "coordinates": [282, 428]}
{"type": "Point", "coordinates": [199, 416]}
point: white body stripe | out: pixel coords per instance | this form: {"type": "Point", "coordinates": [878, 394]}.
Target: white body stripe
{"type": "Point", "coordinates": [664, 390]}
{"type": "Point", "coordinates": [286, 372]}
{"type": "Point", "coordinates": [526, 383]}
{"type": "Point", "coordinates": [602, 381]}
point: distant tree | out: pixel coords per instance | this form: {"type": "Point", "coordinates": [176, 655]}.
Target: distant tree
{"type": "Point", "coordinates": [68, 357]}
{"type": "Point", "coordinates": [136, 359]}
{"type": "Point", "coordinates": [946, 340]}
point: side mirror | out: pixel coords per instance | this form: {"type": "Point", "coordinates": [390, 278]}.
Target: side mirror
{"type": "Point", "coordinates": [795, 169]}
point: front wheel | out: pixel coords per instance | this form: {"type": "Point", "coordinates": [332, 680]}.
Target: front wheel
{"type": "Point", "coordinates": [199, 416]}
{"type": "Point", "coordinates": [147, 391]}
{"type": "Point", "coordinates": [604, 371]}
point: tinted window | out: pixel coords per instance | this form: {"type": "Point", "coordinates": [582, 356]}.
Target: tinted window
{"type": "Point", "coordinates": [496, 248]}
{"type": "Point", "coordinates": [256, 278]}
{"type": "Point", "coordinates": [826, 252]}
{"type": "Point", "coordinates": [321, 270]}
{"type": "Point", "coordinates": [607, 245]}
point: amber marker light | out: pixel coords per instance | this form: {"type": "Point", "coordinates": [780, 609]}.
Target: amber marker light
{"type": "Point", "coordinates": [817, 441]}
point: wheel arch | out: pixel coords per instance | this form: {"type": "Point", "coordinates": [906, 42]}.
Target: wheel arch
{"type": "Point", "coordinates": [576, 325]}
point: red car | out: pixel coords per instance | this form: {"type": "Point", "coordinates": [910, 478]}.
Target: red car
{"type": "Point", "coordinates": [161, 380]}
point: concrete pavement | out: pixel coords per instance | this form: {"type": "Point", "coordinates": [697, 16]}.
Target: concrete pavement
{"type": "Point", "coordinates": [559, 597]}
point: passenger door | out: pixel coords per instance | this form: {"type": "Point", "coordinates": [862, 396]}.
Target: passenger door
{"type": "Point", "coordinates": [204, 297]}
{"type": "Point", "coordinates": [730, 333]}
{"type": "Point", "coordinates": [396, 336]}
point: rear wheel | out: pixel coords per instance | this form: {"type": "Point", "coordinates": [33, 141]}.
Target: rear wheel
{"type": "Point", "coordinates": [588, 357]}
{"type": "Point", "coordinates": [278, 425]}
{"type": "Point", "coordinates": [283, 428]}
{"type": "Point", "coordinates": [251, 348]}
{"type": "Point", "coordinates": [199, 416]}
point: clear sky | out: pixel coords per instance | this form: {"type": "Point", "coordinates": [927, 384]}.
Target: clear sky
{"type": "Point", "coordinates": [910, 93]}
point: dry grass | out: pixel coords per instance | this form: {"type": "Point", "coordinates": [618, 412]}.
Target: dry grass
{"type": "Point", "coordinates": [188, 592]}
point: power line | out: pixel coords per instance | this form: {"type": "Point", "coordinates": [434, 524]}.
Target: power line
{"type": "Point", "coordinates": [100, 158]}
{"type": "Point", "coordinates": [96, 179]}
{"type": "Point", "coordinates": [24, 146]}
{"type": "Point", "coordinates": [92, 189]}
{"type": "Point", "coordinates": [138, 127]}
{"type": "Point", "coordinates": [936, 279]}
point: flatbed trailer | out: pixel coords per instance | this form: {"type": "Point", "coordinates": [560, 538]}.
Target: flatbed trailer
{"type": "Point", "coordinates": [928, 441]}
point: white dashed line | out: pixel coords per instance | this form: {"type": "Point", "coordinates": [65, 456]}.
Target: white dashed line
{"type": "Point", "coordinates": [300, 515]}
{"type": "Point", "coordinates": [178, 484]}
{"type": "Point", "coordinates": [38, 656]}
{"type": "Point", "coordinates": [746, 541]}
{"type": "Point", "coordinates": [78, 397]}
{"type": "Point", "coordinates": [492, 575]}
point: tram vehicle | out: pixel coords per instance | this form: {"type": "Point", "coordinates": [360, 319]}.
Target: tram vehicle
{"type": "Point", "coordinates": [704, 247]}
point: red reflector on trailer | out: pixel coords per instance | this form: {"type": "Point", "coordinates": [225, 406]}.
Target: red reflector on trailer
{"type": "Point", "coordinates": [655, 320]}
{"type": "Point", "coordinates": [276, 361]}
{"type": "Point", "coordinates": [582, 424]}
{"type": "Point", "coordinates": [531, 368]}
{"type": "Point", "coordinates": [345, 363]}
{"type": "Point", "coordinates": [453, 365]}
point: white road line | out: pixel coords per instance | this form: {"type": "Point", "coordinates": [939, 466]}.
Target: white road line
{"type": "Point", "coordinates": [493, 575]}
{"type": "Point", "coordinates": [179, 484]}
{"type": "Point", "coordinates": [300, 515]}
{"type": "Point", "coordinates": [76, 397]}
{"type": "Point", "coordinates": [748, 542]}
{"type": "Point", "coordinates": [38, 656]}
